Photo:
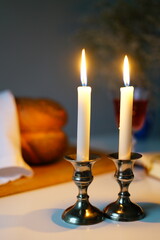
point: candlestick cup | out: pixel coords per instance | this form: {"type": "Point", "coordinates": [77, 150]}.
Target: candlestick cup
{"type": "Point", "coordinates": [123, 209]}
{"type": "Point", "coordinates": [82, 212]}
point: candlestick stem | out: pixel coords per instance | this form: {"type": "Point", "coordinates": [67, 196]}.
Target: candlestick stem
{"type": "Point", "coordinates": [123, 209]}
{"type": "Point", "coordinates": [82, 212]}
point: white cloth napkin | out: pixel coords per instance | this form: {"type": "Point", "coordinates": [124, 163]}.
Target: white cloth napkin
{"type": "Point", "coordinates": [12, 165]}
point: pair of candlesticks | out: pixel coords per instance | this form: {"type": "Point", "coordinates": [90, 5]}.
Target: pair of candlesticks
{"type": "Point", "coordinates": [123, 209]}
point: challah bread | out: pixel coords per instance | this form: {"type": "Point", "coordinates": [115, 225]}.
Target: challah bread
{"type": "Point", "coordinates": [41, 122]}
{"type": "Point", "coordinates": [42, 147]}
{"type": "Point", "coordinates": [40, 115]}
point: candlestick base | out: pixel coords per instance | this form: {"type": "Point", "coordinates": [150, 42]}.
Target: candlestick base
{"type": "Point", "coordinates": [123, 209]}
{"type": "Point", "coordinates": [82, 212]}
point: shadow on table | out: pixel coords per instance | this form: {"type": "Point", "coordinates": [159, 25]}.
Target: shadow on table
{"type": "Point", "coordinates": [56, 219]}
{"type": "Point", "coordinates": [49, 220]}
{"type": "Point", "coordinates": [152, 211]}
{"type": "Point", "coordinates": [43, 220]}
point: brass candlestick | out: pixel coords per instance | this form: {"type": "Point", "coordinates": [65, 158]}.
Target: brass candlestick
{"type": "Point", "coordinates": [123, 209]}
{"type": "Point", "coordinates": [82, 212]}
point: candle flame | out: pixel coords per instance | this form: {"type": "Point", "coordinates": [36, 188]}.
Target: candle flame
{"type": "Point", "coordinates": [126, 75]}
{"type": "Point", "coordinates": [83, 69]}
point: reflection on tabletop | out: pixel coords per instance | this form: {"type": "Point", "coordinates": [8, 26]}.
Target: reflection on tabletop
{"type": "Point", "coordinates": [37, 214]}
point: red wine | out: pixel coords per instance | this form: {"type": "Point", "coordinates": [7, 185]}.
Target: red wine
{"type": "Point", "coordinates": [139, 112]}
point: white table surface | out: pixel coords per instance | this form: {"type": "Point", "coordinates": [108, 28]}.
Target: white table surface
{"type": "Point", "coordinates": [37, 214]}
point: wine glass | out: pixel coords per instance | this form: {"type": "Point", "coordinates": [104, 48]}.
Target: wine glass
{"type": "Point", "coordinates": [140, 105]}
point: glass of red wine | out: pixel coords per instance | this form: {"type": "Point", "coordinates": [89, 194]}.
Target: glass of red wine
{"type": "Point", "coordinates": [140, 104]}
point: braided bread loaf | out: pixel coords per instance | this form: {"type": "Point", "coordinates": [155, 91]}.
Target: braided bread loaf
{"type": "Point", "coordinates": [41, 122]}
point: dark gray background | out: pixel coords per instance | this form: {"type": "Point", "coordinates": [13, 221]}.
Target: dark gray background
{"type": "Point", "coordinates": [39, 57]}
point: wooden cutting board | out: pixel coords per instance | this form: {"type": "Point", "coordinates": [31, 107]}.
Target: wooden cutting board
{"type": "Point", "coordinates": [58, 172]}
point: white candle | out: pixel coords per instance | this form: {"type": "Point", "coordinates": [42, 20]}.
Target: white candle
{"type": "Point", "coordinates": [84, 109]}
{"type": "Point", "coordinates": [126, 108]}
